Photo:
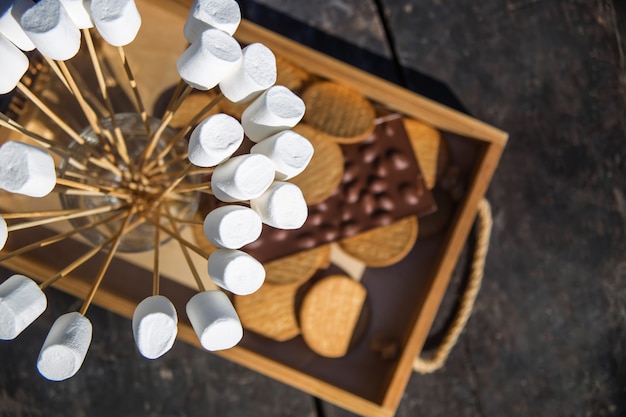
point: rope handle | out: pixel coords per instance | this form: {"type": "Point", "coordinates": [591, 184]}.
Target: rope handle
{"type": "Point", "coordinates": [438, 359]}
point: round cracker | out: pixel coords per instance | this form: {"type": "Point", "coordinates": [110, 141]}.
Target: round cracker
{"type": "Point", "coordinates": [383, 246]}
{"type": "Point", "coordinates": [323, 174]}
{"type": "Point", "coordinates": [297, 268]}
{"type": "Point", "coordinates": [339, 111]}
{"type": "Point", "coordinates": [329, 314]}
{"type": "Point", "coordinates": [270, 311]}
{"type": "Point", "coordinates": [430, 150]}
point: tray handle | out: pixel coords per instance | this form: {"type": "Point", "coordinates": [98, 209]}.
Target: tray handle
{"type": "Point", "coordinates": [438, 359]}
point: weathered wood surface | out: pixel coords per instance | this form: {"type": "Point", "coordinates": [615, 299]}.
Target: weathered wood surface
{"type": "Point", "coordinates": [547, 336]}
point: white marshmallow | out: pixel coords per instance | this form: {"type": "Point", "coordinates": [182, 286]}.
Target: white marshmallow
{"type": "Point", "coordinates": [79, 12]}
{"type": "Point", "coordinates": [4, 232]}
{"type": "Point", "coordinates": [206, 62]}
{"type": "Point", "coordinates": [214, 140]}
{"type": "Point", "coordinates": [289, 151]}
{"type": "Point", "coordinates": [52, 30]}
{"type": "Point", "coordinates": [256, 73]}
{"type": "Point", "coordinates": [281, 206]}
{"type": "Point", "coordinates": [21, 302]}
{"type": "Point", "coordinates": [232, 226]}
{"type": "Point", "coordinates": [117, 21]}
{"type": "Point", "coordinates": [219, 14]}
{"type": "Point", "coordinates": [236, 271]}
{"type": "Point", "coordinates": [214, 320]}
{"type": "Point", "coordinates": [26, 169]}
{"type": "Point", "coordinates": [242, 178]}
{"type": "Point", "coordinates": [65, 347]}
{"type": "Point", "coordinates": [155, 326]}
{"type": "Point", "coordinates": [278, 108]}
{"type": "Point", "coordinates": [14, 65]}
{"type": "Point", "coordinates": [11, 28]}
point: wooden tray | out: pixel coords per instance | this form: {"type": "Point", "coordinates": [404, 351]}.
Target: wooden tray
{"type": "Point", "coordinates": [402, 307]}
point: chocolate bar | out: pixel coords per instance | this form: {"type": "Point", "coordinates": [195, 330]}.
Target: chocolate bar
{"type": "Point", "coordinates": [382, 183]}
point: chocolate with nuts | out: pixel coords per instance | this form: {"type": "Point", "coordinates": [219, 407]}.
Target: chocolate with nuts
{"type": "Point", "coordinates": [381, 183]}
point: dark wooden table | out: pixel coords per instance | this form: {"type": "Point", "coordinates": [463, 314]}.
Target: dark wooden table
{"type": "Point", "coordinates": [548, 333]}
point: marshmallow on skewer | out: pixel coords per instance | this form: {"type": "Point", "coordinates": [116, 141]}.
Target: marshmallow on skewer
{"type": "Point", "coordinates": [214, 320]}
{"type": "Point", "coordinates": [232, 226]}
{"type": "Point", "coordinates": [10, 25]}
{"type": "Point", "coordinates": [214, 140]}
{"type": "Point", "coordinates": [208, 60]}
{"type": "Point", "coordinates": [21, 302]}
{"type": "Point", "coordinates": [4, 232]}
{"type": "Point", "coordinates": [219, 14]}
{"type": "Point", "coordinates": [14, 65]}
{"type": "Point", "coordinates": [155, 325]}
{"type": "Point", "coordinates": [278, 108]}
{"type": "Point", "coordinates": [65, 347]}
{"type": "Point", "coordinates": [281, 206]}
{"type": "Point", "coordinates": [79, 12]}
{"type": "Point", "coordinates": [52, 30]}
{"type": "Point", "coordinates": [26, 169]}
{"type": "Point", "coordinates": [117, 21]}
{"type": "Point", "coordinates": [242, 178]}
{"type": "Point", "coordinates": [236, 271]}
{"type": "Point", "coordinates": [256, 73]}
{"type": "Point", "coordinates": [289, 151]}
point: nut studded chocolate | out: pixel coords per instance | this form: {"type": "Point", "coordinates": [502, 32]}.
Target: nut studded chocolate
{"type": "Point", "coordinates": [381, 183]}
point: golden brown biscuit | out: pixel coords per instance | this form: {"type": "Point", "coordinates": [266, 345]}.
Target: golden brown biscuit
{"type": "Point", "coordinates": [270, 311]}
{"type": "Point", "coordinates": [430, 150]}
{"type": "Point", "coordinates": [385, 245]}
{"type": "Point", "coordinates": [329, 314]}
{"type": "Point", "coordinates": [297, 268]}
{"type": "Point", "coordinates": [323, 175]}
{"type": "Point", "coordinates": [339, 111]}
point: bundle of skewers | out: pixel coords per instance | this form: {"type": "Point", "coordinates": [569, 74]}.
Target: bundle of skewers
{"type": "Point", "coordinates": [145, 185]}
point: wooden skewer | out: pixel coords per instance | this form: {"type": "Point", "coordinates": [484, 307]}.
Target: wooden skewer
{"type": "Point", "coordinates": [185, 251]}
{"type": "Point", "coordinates": [101, 190]}
{"type": "Point", "coordinates": [120, 141]}
{"type": "Point", "coordinates": [37, 214]}
{"type": "Point", "coordinates": [86, 257]}
{"type": "Point", "coordinates": [78, 262]}
{"type": "Point", "coordinates": [179, 87]}
{"type": "Point", "coordinates": [58, 238]}
{"type": "Point", "coordinates": [205, 186]}
{"type": "Point", "coordinates": [141, 109]}
{"type": "Point", "coordinates": [168, 175]}
{"type": "Point", "coordinates": [179, 238]}
{"type": "Point", "coordinates": [93, 101]}
{"type": "Point", "coordinates": [55, 68]}
{"type": "Point", "coordinates": [105, 265]}
{"type": "Point", "coordinates": [155, 268]}
{"type": "Point", "coordinates": [83, 213]}
{"type": "Point", "coordinates": [85, 193]}
{"type": "Point", "coordinates": [88, 112]}
{"type": "Point", "coordinates": [94, 178]}
{"type": "Point", "coordinates": [51, 114]}
{"type": "Point", "coordinates": [165, 120]}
